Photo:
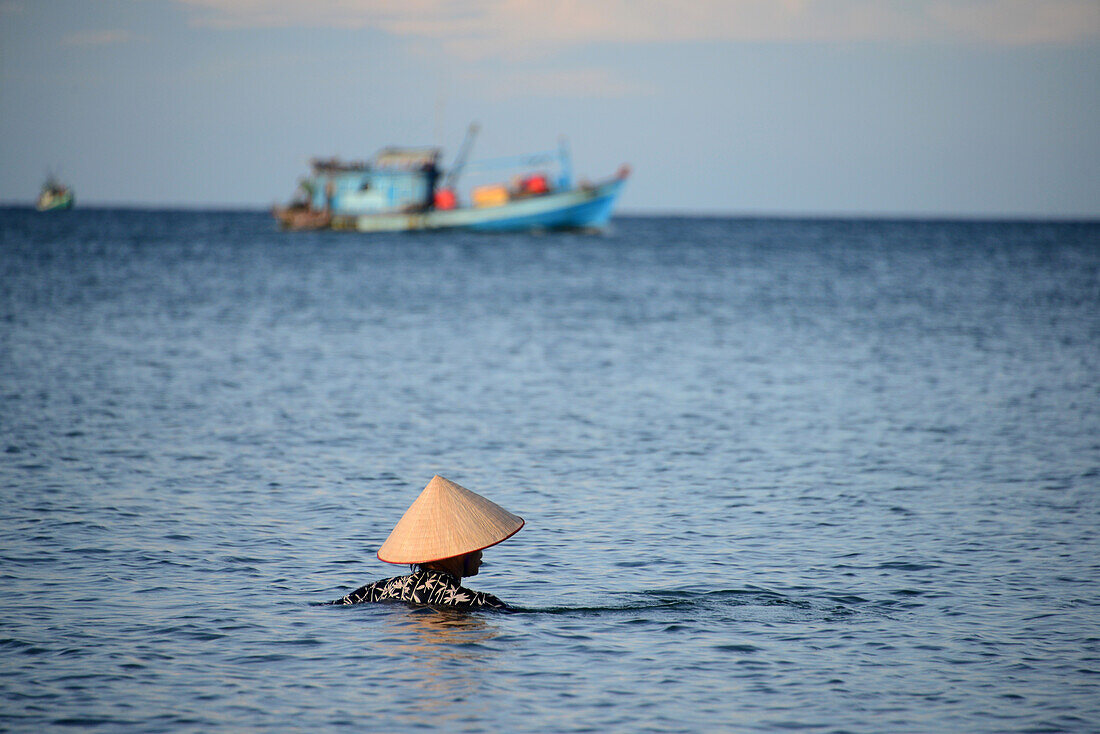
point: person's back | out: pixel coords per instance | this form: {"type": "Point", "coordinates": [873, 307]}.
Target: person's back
{"type": "Point", "coordinates": [426, 587]}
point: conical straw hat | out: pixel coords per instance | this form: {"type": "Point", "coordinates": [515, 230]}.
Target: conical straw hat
{"type": "Point", "coordinates": [447, 520]}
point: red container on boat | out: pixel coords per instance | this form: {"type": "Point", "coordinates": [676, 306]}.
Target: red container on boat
{"type": "Point", "coordinates": [444, 199]}
{"type": "Point", "coordinates": [536, 185]}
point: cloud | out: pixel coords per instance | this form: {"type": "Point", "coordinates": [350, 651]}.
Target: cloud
{"type": "Point", "coordinates": [1019, 22]}
{"type": "Point", "coordinates": [97, 38]}
{"type": "Point", "coordinates": [485, 28]}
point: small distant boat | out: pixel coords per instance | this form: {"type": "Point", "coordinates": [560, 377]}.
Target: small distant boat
{"type": "Point", "coordinates": [54, 196]}
{"type": "Point", "coordinates": [400, 190]}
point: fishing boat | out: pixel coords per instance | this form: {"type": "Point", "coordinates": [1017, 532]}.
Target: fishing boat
{"type": "Point", "coordinates": [404, 189]}
{"type": "Point", "coordinates": [54, 196]}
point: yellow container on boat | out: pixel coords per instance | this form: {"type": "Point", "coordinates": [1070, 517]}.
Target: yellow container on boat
{"type": "Point", "coordinates": [494, 195]}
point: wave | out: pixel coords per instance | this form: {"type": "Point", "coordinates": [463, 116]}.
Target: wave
{"type": "Point", "coordinates": [710, 601]}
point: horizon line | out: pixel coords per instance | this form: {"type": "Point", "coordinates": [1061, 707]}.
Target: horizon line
{"type": "Point", "coordinates": [791, 215]}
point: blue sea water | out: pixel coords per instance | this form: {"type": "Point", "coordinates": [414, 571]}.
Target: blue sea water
{"type": "Point", "coordinates": [826, 476]}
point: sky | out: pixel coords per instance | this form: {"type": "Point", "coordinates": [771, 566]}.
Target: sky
{"type": "Point", "coordinates": [914, 108]}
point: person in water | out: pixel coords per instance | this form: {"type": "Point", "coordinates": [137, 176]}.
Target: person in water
{"type": "Point", "coordinates": [442, 535]}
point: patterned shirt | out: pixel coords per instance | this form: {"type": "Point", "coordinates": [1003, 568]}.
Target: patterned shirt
{"type": "Point", "coordinates": [423, 586]}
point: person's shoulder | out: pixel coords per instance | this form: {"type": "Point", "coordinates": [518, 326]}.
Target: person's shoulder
{"type": "Point", "coordinates": [493, 602]}
{"type": "Point", "coordinates": [370, 592]}
{"type": "Point", "coordinates": [482, 600]}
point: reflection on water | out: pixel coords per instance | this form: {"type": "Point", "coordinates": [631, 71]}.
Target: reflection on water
{"type": "Point", "coordinates": [446, 653]}
{"type": "Point", "coordinates": [440, 634]}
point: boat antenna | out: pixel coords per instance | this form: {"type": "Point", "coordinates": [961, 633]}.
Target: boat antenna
{"type": "Point", "coordinates": [565, 162]}
{"type": "Point", "coordinates": [460, 160]}
{"type": "Point", "coordinates": [440, 108]}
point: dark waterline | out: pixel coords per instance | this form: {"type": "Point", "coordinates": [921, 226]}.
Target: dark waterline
{"type": "Point", "coordinates": [827, 475]}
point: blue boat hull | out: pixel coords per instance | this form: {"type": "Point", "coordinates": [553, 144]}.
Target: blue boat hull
{"type": "Point", "coordinates": [581, 208]}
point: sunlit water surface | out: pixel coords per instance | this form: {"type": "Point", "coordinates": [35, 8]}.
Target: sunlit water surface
{"type": "Point", "coordinates": [825, 476]}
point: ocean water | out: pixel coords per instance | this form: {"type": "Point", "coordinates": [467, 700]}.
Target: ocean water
{"type": "Point", "coordinates": [825, 476]}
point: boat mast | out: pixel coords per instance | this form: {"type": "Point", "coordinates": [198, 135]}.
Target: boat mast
{"type": "Point", "coordinates": [565, 177]}
{"type": "Point", "coordinates": [460, 160]}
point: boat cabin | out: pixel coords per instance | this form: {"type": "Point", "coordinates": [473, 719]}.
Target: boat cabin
{"type": "Point", "coordinates": [397, 180]}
